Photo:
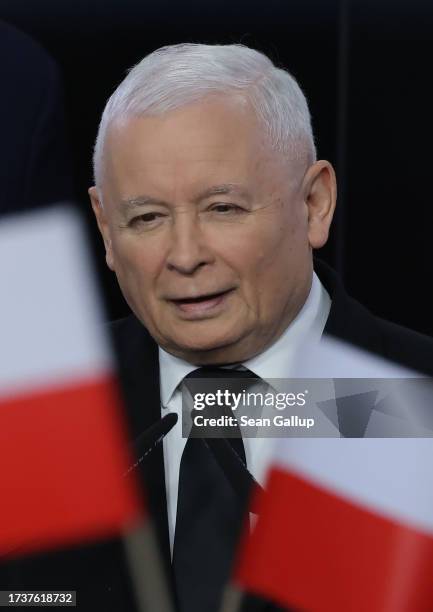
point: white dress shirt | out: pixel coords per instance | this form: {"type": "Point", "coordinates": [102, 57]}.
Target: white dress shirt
{"type": "Point", "coordinates": [277, 361]}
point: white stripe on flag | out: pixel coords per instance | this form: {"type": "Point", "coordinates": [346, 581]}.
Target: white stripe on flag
{"type": "Point", "coordinates": [42, 257]}
{"type": "Point", "coordinates": [389, 476]}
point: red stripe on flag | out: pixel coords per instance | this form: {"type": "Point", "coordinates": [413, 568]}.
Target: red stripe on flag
{"type": "Point", "coordinates": [318, 552]}
{"type": "Point", "coordinates": [63, 454]}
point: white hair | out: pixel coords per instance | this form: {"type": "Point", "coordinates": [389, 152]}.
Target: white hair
{"type": "Point", "coordinates": [177, 75]}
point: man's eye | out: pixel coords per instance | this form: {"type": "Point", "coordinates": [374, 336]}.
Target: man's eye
{"type": "Point", "coordinates": [226, 208]}
{"type": "Point", "coordinates": [145, 218]}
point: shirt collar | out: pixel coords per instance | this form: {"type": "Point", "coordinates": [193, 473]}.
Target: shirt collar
{"type": "Point", "coordinates": [172, 371]}
{"type": "Point", "coordinates": [278, 360]}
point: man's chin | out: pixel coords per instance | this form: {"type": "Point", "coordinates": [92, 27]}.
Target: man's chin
{"type": "Point", "coordinates": [202, 350]}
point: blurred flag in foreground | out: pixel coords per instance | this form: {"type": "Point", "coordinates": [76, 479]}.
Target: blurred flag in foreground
{"type": "Point", "coordinates": [344, 524]}
{"type": "Point", "coordinates": [63, 447]}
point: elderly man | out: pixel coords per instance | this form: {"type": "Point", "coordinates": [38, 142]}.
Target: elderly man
{"type": "Point", "coordinates": [210, 201]}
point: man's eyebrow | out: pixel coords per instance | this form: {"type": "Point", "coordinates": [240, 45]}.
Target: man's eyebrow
{"type": "Point", "coordinates": [142, 200]}
{"type": "Point", "coordinates": [224, 189]}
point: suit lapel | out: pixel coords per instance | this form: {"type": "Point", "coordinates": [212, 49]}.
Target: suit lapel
{"type": "Point", "coordinates": [348, 320]}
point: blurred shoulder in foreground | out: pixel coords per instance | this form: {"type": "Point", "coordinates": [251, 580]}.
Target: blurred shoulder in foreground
{"type": "Point", "coordinates": [35, 167]}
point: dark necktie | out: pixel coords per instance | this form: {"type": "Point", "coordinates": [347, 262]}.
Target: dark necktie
{"type": "Point", "coordinates": [209, 512]}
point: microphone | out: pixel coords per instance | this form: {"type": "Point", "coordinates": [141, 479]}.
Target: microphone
{"type": "Point", "coordinates": [149, 439]}
{"type": "Point", "coordinates": [240, 478]}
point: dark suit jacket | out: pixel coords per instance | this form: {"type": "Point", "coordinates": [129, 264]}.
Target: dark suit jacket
{"type": "Point", "coordinates": [98, 572]}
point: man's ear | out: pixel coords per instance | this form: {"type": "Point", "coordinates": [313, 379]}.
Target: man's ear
{"type": "Point", "coordinates": [320, 192]}
{"type": "Point", "coordinates": [103, 226]}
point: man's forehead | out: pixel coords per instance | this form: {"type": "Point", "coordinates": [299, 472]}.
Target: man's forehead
{"type": "Point", "coordinates": [211, 165]}
{"type": "Point", "coordinates": [134, 149]}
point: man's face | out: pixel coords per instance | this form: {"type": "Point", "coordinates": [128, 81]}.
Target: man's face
{"type": "Point", "coordinates": [206, 229]}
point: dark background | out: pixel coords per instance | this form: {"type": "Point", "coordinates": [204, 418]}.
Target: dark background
{"type": "Point", "coordinates": [366, 69]}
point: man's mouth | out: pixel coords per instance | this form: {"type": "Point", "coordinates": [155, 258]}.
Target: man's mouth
{"type": "Point", "coordinates": [201, 305]}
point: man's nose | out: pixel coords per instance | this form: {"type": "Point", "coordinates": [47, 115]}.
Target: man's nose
{"type": "Point", "coordinates": [188, 250]}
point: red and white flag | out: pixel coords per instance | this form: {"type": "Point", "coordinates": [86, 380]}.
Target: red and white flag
{"type": "Point", "coordinates": [63, 450]}
{"type": "Point", "coordinates": [345, 523]}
